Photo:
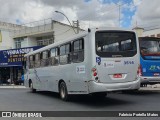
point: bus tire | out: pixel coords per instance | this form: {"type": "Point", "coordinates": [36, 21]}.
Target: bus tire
{"type": "Point", "coordinates": [63, 91]}
{"type": "Point", "coordinates": [31, 87]}
{"type": "Point", "coordinates": [99, 95]}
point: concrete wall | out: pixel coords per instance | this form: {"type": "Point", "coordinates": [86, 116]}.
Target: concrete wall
{"type": "Point", "coordinates": [7, 41]}
{"type": "Point", "coordinates": [62, 32]}
{"type": "Point", "coordinates": [59, 30]}
{"type": "Point", "coordinates": [24, 43]}
{"type": "Point", "coordinates": [31, 42]}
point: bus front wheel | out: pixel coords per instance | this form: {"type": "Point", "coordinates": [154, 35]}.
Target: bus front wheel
{"type": "Point", "coordinates": [63, 91]}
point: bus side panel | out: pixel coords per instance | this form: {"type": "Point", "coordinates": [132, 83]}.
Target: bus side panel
{"type": "Point", "coordinates": [35, 79]}
{"type": "Point", "coordinates": [75, 75]}
{"type": "Point", "coordinates": [150, 71]}
{"type": "Point", "coordinates": [79, 73]}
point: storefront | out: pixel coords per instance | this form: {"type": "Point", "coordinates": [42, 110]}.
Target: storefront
{"type": "Point", "coordinates": [11, 63]}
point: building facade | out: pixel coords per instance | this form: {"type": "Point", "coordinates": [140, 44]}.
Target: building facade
{"type": "Point", "coordinates": [18, 40]}
{"type": "Point", "coordinates": [152, 33]}
{"type": "Point", "coordinates": [147, 33]}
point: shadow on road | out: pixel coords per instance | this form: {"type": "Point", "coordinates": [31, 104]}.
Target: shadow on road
{"type": "Point", "coordinates": [96, 102]}
{"type": "Point", "coordinates": [113, 99]}
{"type": "Point", "coordinates": [87, 100]}
{"type": "Point", "coordinates": [142, 92]}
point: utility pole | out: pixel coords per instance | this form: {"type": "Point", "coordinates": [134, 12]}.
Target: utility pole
{"type": "Point", "coordinates": [76, 25]}
{"type": "Point", "coordinates": [68, 21]}
{"type": "Point", "coordinates": [119, 12]}
{"type": "Point", "coordinates": [119, 15]}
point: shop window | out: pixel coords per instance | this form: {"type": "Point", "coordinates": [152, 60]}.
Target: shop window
{"type": "Point", "coordinates": [45, 40]}
{"type": "Point", "coordinates": [18, 43]}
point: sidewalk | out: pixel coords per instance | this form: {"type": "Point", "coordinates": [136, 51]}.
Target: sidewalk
{"type": "Point", "coordinates": [12, 86]}
{"type": "Point", "coordinates": [151, 87]}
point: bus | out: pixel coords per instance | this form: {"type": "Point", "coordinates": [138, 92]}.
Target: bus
{"type": "Point", "coordinates": [149, 60]}
{"type": "Point", "coordinates": [94, 62]}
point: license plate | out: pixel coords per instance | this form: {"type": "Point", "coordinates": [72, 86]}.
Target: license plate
{"type": "Point", "coordinates": [117, 76]}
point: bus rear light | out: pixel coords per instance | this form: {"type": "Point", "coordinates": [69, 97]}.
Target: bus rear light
{"type": "Point", "coordinates": [95, 74]}
{"type": "Point", "coordinates": [93, 69]}
{"type": "Point", "coordinates": [139, 71]}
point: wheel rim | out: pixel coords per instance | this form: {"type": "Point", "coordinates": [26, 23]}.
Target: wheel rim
{"type": "Point", "coordinates": [63, 91]}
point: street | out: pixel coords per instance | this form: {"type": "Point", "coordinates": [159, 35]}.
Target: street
{"type": "Point", "coordinates": [23, 100]}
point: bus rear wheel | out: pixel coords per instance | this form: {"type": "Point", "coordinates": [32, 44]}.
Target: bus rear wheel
{"type": "Point", "coordinates": [63, 91]}
{"type": "Point", "coordinates": [31, 87]}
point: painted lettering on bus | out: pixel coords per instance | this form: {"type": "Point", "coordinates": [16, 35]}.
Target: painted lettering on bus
{"type": "Point", "coordinates": [128, 62]}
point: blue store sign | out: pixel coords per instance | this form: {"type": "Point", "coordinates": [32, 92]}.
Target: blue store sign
{"type": "Point", "coordinates": [15, 57]}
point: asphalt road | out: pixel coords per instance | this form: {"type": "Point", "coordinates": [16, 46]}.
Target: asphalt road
{"type": "Point", "coordinates": [24, 100]}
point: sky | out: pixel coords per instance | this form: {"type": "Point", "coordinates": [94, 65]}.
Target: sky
{"type": "Point", "coordinates": [90, 13]}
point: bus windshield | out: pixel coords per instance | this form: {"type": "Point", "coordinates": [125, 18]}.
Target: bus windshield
{"type": "Point", "coordinates": [115, 43]}
{"type": "Point", "coordinates": [150, 47]}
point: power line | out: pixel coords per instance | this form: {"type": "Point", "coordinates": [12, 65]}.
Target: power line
{"type": "Point", "coordinates": [115, 7]}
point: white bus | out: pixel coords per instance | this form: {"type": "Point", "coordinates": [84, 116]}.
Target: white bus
{"type": "Point", "coordinates": [94, 62]}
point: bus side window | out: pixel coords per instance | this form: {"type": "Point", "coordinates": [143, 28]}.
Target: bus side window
{"type": "Point", "coordinates": [65, 51]}
{"type": "Point", "coordinates": [54, 56]}
{"type": "Point", "coordinates": [57, 55]}
{"type": "Point", "coordinates": [78, 51]}
{"type": "Point", "coordinates": [31, 61]}
{"type": "Point", "coordinates": [24, 65]}
{"type": "Point", "coordinates": [44, 60]}
{"type": "Point", "coordinates": [37, 59]}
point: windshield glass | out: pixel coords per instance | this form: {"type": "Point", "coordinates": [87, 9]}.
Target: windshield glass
{"type": "Point", "coordinates": [115, 43]}
{"type": "Point", "coordinates": [150, 47]}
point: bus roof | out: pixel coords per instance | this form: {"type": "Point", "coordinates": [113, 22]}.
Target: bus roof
{"type": "Point", "coordinates": [76, 36]}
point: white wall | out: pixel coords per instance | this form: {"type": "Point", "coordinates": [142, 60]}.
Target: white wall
{"type": "Point", "coordinates": [151, 32]}
{"type": "Point", "coordinates": [31, 42]}
{"type": "Point", "coordinates": [7, 41]}
{"type": "Point", "coordinates": [62, 32]}
{"type": "Point", "coordinates": [24, 43]}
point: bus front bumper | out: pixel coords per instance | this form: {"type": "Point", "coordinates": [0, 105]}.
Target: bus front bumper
{"type": "Point", "coordinates": [150, 80]}
{"type": "Point", "coordinates": [108, 87]}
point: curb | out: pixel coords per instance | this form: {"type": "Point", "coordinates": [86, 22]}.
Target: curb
{"type": "Point", "coordinates": [155, 87]}
{"type": "Point", "coordinates": [142, 88]}
{"type": "Point", "coordinates": [12, 87]}
{"type": "Point", "coordinates": [150, 89]}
